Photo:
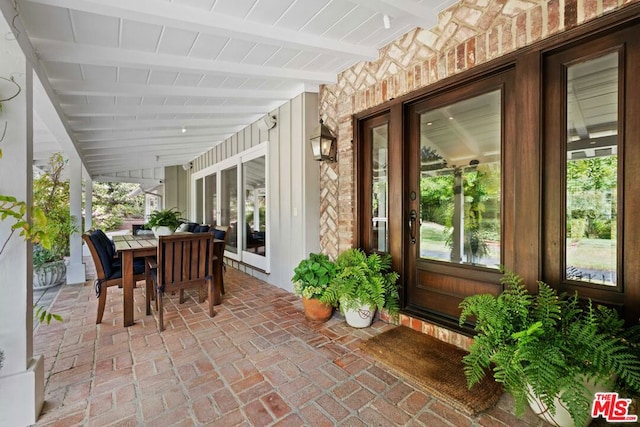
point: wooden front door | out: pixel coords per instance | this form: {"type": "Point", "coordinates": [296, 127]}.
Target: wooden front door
{"type": "Point", "coordinates": [454, 212]}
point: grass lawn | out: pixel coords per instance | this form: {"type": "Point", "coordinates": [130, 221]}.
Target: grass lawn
{"type": "Point", "coordinates": [597, 254]}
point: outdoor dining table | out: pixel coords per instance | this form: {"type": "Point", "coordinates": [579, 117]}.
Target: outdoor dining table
{"type": "Point", "coordinates": [130, 247]}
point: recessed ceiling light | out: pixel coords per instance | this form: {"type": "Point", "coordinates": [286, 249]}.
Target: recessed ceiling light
{"type": "Point", "coordinates": [386, 21]}
{"type": "Point", "coordinates": [184, 129]}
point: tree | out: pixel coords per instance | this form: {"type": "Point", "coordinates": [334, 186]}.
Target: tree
{"type": "Point", "coordinates": [591, 196]}
{"type": "Point", "coordinates": [112, 203]}
{"type": "Point", "coordinates": [51, 194]}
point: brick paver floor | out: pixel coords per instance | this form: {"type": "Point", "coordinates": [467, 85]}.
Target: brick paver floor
{"type": "Point", "coordinates": [258, 362]}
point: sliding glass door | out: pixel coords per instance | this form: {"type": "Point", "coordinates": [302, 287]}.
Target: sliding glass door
{"type": "Point", "coordinates": [234, 193]}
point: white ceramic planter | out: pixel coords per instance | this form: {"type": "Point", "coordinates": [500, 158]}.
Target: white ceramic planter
{"type": "Point", "coordinates": [49, 275]}
{"type": "Point", "coordinates": [360, 317]}
{"type": "Point", "coordinates": [562, 418]}
{"type": "Point", "coordinates": [162, 231]}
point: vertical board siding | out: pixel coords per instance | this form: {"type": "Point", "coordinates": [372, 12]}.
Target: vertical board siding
{"type": "Point", "coordinates": [293, 183]}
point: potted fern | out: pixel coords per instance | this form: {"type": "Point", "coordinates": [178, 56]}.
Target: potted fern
{"type": "Point", "coordinates": [164, 222]}
{"type": "Point", "coordinates": [311, 279]}
{"type": "Point", "coordinates": [549, 349]}
{"type": "Point", "coordinates": [363, 283]}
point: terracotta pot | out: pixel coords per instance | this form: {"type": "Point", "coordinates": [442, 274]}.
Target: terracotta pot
{"type": "Point", "coordinates": [315, 310]}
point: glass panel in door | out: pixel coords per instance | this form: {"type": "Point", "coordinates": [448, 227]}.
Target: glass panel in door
{"type": "Point", "coordinates": [229, 206]}
{"type": "Point", "coordinates": [460, 182]}
{"type": "Point", "coordinates": [198, 214]}
{"type": "Point", "coordinates": [210, 201]}
{"type": "Point", "coordinates": [380, 189]}
{"type": "Point", "coordinates": [255, 203]}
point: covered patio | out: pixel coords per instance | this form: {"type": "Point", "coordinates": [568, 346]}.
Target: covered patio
{"type": "Point", "coordinates": [257, 362]}
{"type": "Point", "coordinates": [209, 105]}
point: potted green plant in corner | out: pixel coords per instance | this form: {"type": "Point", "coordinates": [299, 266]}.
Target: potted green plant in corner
{"type": "Point", "coordinates": [51, 195]}
{"type": "Point", "coordinates": [311, 279]}
{"type": "Point", "coordinates": [551, 351]}
{"type": "Point", "coordinates": [363, 283]}
{"type": "Point", "coordinates": [164, 222]}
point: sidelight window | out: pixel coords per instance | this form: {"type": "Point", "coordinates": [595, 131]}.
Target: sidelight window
{"type": "Point", "coordinates": [591, 189]}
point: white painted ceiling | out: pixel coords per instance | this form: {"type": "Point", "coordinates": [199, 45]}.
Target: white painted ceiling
{"type": "Point", "coordinates": [125, 76]}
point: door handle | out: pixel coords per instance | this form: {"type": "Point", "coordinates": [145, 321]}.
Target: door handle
{"type": "Point", "coordinates": [413, 216]}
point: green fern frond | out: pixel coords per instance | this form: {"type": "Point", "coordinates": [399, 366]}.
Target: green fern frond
{"type": "Point", "coordinates": [544, 344]}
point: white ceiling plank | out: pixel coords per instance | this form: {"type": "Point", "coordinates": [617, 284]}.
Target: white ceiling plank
{"type": "Point", "coordinates": [191, 19]}
{"type": "Point", "coordinates": [132, 110]}
{"type": "Point", "coordinates": [130, 179]}
{"type": "Point", "coordinates": [410, 11]}
{"type": "Point", "coordinates": [103, 88]}
{"type": "Point", "coordinates": [153, 142]}
{"type": "Point", "coordinates": [107, 124]}
{"type": "Point", "coordinates": [132, 135]}
{"type": "Point", "coordinates": [50, 50]}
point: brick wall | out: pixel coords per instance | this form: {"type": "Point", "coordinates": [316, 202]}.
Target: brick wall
{"type": "Point", "coordinates": [469, 33]}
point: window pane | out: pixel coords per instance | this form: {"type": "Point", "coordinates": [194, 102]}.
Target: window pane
{"type": "Point", "coordinates": [229, 206]}
{"type": "Point", "coordinates": [198, 213]}
{"type": "Point", "coordinates": [210, 200]}
{"type": "Point", "coordinates": [592, 170]}
{"type": "Point", "coordinates": [255, 203]}
{"type": "Point", "coordinates": [460, 182]}
{"type": "Point", "coordinates": [379, 189]}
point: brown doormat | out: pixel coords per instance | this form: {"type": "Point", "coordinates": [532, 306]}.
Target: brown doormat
{"type": "Point", "coordinates": [434, 365]}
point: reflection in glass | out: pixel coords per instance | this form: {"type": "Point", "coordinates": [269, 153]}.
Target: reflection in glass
{"type": "Point", "coordinates": [211, 205]}
{"type": "Point", "coordinates": [460, 182]}
{"type": "Point", "coordinates": [255, 203]}
{"type": "Point", "coordinates": [198, 215]}
{"type": "Point", "coordinates": [229, 206]}
{"type": "Point", "coordinates": [592, 170]}
{"type": "Point", "coordinates": [380, 189]}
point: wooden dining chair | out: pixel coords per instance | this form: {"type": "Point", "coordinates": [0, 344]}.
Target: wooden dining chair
{"type": "Point", "coordinates": [108, 267]}
{"type": "Point", "coordinates": [183, 261]}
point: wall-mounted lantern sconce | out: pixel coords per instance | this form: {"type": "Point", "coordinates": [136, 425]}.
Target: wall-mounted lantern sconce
{"type": "Point", "coordinates": [323, 143]}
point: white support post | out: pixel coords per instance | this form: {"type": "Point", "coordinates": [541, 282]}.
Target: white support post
{"type": "Point", "coordinates": [22, 374]}
{"type": "Point", "coordinates": [88, 212]}
{"type": "Point", "coordinates": [88, 204]}
{"type": "Point", "coordinates": [75, 269]}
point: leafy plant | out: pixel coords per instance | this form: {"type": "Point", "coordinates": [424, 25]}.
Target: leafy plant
{"type": "Point", "coordinates": [164, 218]}
{"type": "Point", "coordinates": [313, 275]}
{"type": "Point", "coordinates": [51, 195]}
{"type": "Point", "coordinates": [34, 230]}
{"type": "Point", "coordinates": [42, 315]}
{"type": "Point", "coordinates": [362, 279]}
{"type": "Point", "coordinates": [548, 342]}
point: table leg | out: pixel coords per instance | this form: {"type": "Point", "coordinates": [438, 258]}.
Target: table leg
{"type": "Point", "coordinates": [127, 287]}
